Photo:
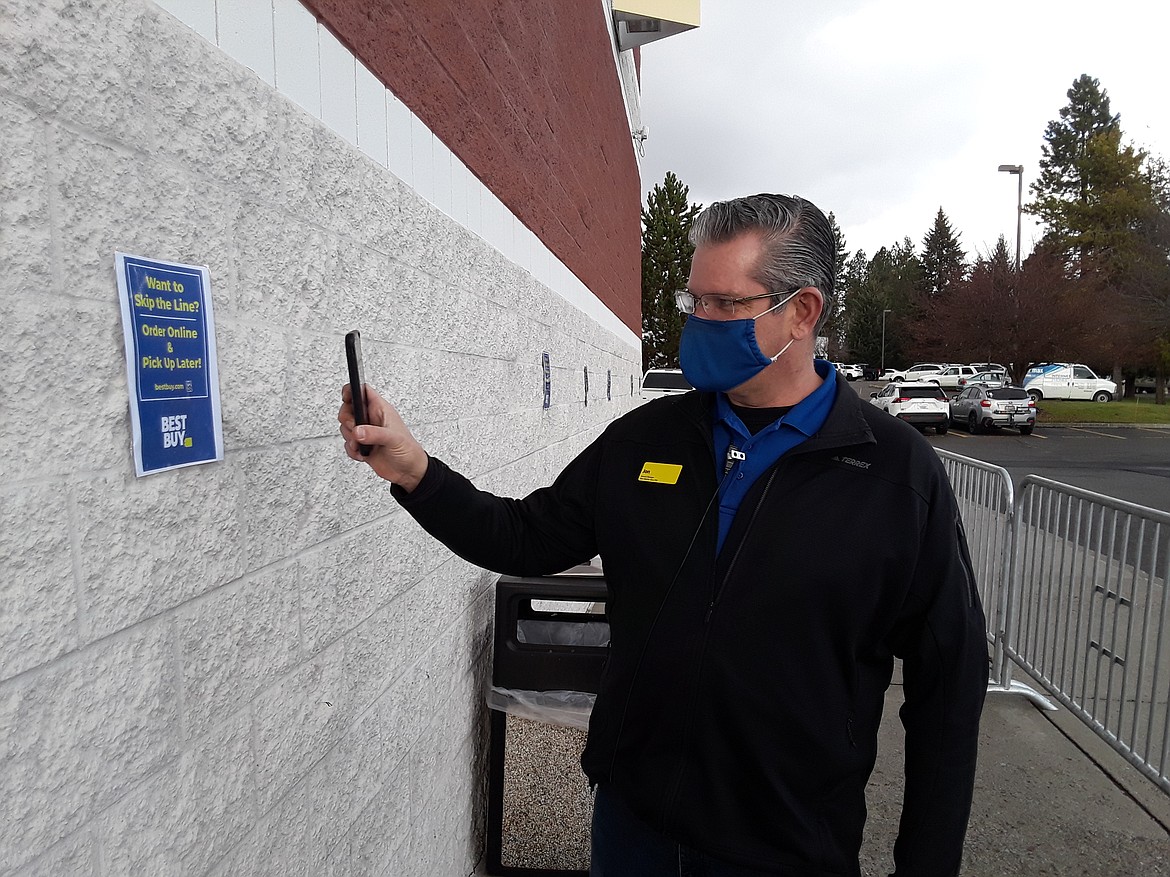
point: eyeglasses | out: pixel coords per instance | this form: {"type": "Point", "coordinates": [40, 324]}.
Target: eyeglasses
{"type": "Point", "coordinates": [720, 305]}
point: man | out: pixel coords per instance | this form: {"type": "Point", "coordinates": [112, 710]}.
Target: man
{"type": "Point", "coordinates": [753, 633]}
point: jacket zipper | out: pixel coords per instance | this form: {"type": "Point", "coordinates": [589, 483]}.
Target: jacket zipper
{"type": "Point", "coordinates": [716, 594]}
{"type": "Point", "coordinates": [703, 427]}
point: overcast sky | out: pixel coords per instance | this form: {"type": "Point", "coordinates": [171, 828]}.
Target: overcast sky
{"type": "Point", "coordinates": [882, 111]}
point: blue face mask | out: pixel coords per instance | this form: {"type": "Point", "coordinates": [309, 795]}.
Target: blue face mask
{"type": "Point", "coordinates": [719, 355]}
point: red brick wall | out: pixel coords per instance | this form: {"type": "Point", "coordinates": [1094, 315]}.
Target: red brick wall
{"type": "Point", "coordinates": [528, 96]}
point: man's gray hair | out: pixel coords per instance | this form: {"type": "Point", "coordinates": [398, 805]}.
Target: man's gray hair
{"type": "Point", "coordinates": [799, 247]}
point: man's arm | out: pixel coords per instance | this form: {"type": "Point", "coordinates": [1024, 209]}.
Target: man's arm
{"type": "Point", "coordinates": [943, 646]}
{"type": "Point", "coordinates": [548, 531]}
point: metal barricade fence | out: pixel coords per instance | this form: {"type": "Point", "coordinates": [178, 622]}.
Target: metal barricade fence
{"type": "Point", "coordinates": [1074, 587]}
{"type": "Point", "coordinates": [986, 503]}
{"type": "Point", "coordinates": [1088, 615]}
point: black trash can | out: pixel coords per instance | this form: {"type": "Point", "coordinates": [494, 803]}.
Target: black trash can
{"type": "Point", "coordinates": [551, 643]}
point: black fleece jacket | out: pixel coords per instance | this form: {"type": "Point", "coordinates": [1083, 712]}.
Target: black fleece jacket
{"type": "Point", "coordinates": [742, 694]}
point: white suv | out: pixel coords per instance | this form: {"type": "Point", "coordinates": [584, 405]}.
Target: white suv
{"type": "Point", "coordinates": [920, 403]}
{"type": "Point", "coordinates": [1067, 380]}
{"type": "Point", "coordinates": [952, 377]}
{"type": "Point", "coordinates": [664, 382]}
{"type": "Point", "coordinates": [915, 372]}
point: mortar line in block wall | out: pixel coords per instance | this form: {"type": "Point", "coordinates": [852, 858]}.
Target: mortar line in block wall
{"type": "Point", "coordinates": [37, 864]}
{"type": "Point", "coordinates": [80, 617]}
{"type": "Point", "coordinates": [426, 656]}
{"type": "Point", "coordinates": [594, 345]}
{"type": "Point", "coordinates": [298, 579]}
{"type": "Point", "coordinates": [323, 645]}
{"type": "Point", "coordinates": [260, 827]}
{"type": "Point", "coordinates": [55, 248]}
{"type": "Point", "coordinates": [253, 787]}
{"type": "Point", "coordinates": [98, 857]}
{"type": "Point", "coordinates": [50, 119]}
{"type": "Point", "coordinates": [163, 617]}
{"type": "Point", "coordinates": [179, 681]}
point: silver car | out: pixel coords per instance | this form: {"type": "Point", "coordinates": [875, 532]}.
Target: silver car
{"type": "Point", "coordinates": [993, 378]}
{"type": "Point", "coordinates": [980, 408]}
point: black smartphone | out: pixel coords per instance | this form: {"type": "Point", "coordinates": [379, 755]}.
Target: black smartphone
{"type": "Point", "coordinates": [357, 382]}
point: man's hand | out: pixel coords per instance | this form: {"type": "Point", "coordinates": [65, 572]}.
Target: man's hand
{"type": "Point", "coordinates": [396, 455]}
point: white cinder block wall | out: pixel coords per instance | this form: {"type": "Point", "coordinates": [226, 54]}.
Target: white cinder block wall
{"type": "Point", "coordinates": [259, 666]}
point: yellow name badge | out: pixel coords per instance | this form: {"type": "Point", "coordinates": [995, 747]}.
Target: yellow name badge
{"type": "Point", "coordinates": [660, 473]}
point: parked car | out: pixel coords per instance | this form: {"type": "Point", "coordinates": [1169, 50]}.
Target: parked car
{"type": "Point", "coordinates": [920, 403]}
{"type": "Point", "coordinates": [980, 408]}
{"type": "Point", "coordinates": [664, 382]}
{"type": "Point", "coordinates": [868, 372]}
{"type": "Point", "coordinates": [987, 379]}
{"type": "Point", "coordinates": [950, 378]}
{"type": "Point", "coordinates": [989, 367]}
{"type": "Point", "coordinates": [1144, 384]}
{"type": "Point", "coordinates": [849, 372]}
{"type": "Point", "coordinates": [915, 371]}
{"type": "Point", "coordinates": [1067, 380]}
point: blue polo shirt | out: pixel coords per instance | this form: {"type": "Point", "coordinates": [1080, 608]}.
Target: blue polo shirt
{"type": "Point", "coordinates": [761, 450]}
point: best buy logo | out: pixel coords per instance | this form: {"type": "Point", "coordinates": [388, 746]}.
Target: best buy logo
{"type": "Point", "coordinates": [174, 431]}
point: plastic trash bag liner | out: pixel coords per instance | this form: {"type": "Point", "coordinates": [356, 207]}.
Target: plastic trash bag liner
{"type": "Point", "coordinates": [568, 708]}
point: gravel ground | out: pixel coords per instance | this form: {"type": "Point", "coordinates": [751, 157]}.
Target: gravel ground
{"type": "Point", "coordinates": [547, 801]}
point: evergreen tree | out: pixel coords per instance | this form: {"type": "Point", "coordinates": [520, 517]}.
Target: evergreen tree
{"type": "Point", "coordinates": [853, 293]}
{"type": "Point", "coordinates": [834, 328]}
{"type": "Point", "coordinates": [1066, 182]}
{"type": "Point", "coordinates": [1139, 257]}
{"type": "Point", "coordinates": [1103, 203]}
{"type": "Point", "coordinates": [666, 263]}
{"type": "Point", "coordinates": [887, 281]}
{"type": "Point", "coordinates": [1080, 161]}
{"type": "Point", "coordinates": [855, 274]}
{"type": "Point", "coordinates": [1108, 225]}
{"type": "Point", "coordinates": [943, 261]}
{"type": "Point", "coordinates": [1000, 265]}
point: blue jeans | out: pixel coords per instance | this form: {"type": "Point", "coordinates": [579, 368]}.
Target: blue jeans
{"type": "Point", "coordinates": [624, 846]}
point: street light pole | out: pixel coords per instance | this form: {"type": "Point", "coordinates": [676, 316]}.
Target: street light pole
{"type": "Point", "coordinates": [886, 311]}
{"type": "Point", "coordinates": [1018, 170]}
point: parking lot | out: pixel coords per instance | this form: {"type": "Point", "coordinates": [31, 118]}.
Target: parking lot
{"type": "Point", "coordinates": [1130, 463]}
{"type": "Point", "coordinates": [1127, 463]}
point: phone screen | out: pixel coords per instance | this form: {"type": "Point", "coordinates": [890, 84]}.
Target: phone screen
{"type": "Point", "coordinates": [357, 381]}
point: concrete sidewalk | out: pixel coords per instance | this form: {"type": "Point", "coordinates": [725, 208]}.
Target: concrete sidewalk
{"type": "Point", "coordinates": [1050, 799]}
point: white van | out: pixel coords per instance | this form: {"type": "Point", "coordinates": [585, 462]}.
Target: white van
{"type": "Point", "coordinates": [1067, 380]}
{"type": "Point", "coordinates": [664, 382]}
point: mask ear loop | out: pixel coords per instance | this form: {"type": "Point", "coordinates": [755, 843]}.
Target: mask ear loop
{"type": "Point", "coordinates": [780, 304]}
{"type": "Point", "coordinates": [782, 349]}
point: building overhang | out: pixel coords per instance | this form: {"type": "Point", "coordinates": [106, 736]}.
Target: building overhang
{"type": "Point", "coordinates": [637, 22]}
